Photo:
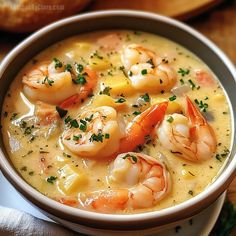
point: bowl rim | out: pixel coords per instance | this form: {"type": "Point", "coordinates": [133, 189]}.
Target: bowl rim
{"type": "Point", "coordinates": [215, 188]}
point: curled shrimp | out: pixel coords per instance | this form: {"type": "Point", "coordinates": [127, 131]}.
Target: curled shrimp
{"type": "Point", "coordinates": [52, 83]}
{"type": "Point", "coordinates": [189, 137]}
{"type": "Point", "coordinates": [143, 181]}
{"type": "Point", "coordinates": [141, 126]}
{"type": "Point", "coordinates": [146, 70]}
{"type": "Point", "coordinates": [95, 132]}
{"type": "Point", "coordinates": [48, 84]}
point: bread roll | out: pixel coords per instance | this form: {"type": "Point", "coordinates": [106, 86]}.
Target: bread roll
{"type": "Point", "coordinates": [29, 15]}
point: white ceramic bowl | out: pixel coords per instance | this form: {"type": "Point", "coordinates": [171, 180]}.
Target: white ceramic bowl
{"type": "Point", "coordinates": [91, 222]}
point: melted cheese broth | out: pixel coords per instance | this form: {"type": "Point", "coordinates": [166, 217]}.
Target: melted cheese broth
{"type": "Point", "coordinates": [38, 153]}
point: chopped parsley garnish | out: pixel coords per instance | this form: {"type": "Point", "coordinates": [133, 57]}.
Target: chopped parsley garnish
{"type": "Point", "coordinates": [172, 98]}
{"type": "Point", "coordinates": [74, 123]}
{"type": "Point", "coordinates": [95, 54]}
{"type": "Point", "coordinates": [77, 137]}
{"type": "Point", "coordinates": [80, 68]}
{"type": "Point", "coordinates": [183, 72]}
{"type": "Point", "coordinates": [80, 79]}
{"type": "Point", "coordinates": [224, 112]}
{"type": "Point", "coordinates": [58, 63]}
{"type": "Point", "coordinates": [83, 125]}
{"type": "Point", "coordinates": [203, 106]}
{"type": "Point", "coordinates": [68, 119]}
{"type": "Point", "coordinates": [62, 113]}
{"type": "Point", "coordinates": [23, 124]}
{"type": "Point", "coordinates": [89, 118]}
{"type": "Point", "coordinates": [146, 97]}
{"type": "Point", "coordinates": [106, 91]}
{"type": "Point", "coordinates": [13, 116]}
{"type": "Point", "coordinates": [48, 81]}
{"type": "Point", "coordinates": [28, 130]}
{"type": "Point", "coordinates": [224, 154]}
{"type": "Point", "coordinates": [120, 100]}
{"type": "Point", "coordinates": [181, 81]}
{"type": "Point", "coordinates": [192, 85]}
{"type": "Point", "coordinates": [68, 67]}
{"type": "Point", "coordinates": [31, 173]}
{"type": "Point", "coordinates": [136, 113]}
{"type": "Point", "coordinates": [131, 157]}
{"type": "Point", "coordinates": [66, 155]}
{"type": "Point", "coordinates": [170, 119]}
{"type": "Point", "coordinates": [144, 72]}
{"type": "Point", "coordinates": [51, 179]}
{"type": "Point", "coordinates": [98, 137]}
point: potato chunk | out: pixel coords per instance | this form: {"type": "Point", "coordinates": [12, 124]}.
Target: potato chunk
{"type": "Point", "coordinates": [105, 100]}
{"type": "Point", "coordinates": [71, 179]}
{"type": "Point", "coordinates": [119, 84]}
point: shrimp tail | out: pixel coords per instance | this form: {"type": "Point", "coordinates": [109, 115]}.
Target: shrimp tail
{"type": "Point", "coordinates": [106, 201]}
{"type": "Point", "coordinates": [194, 115]}
{"type": "Point", "coordinates": [84, 92]}
{"type": "Point", "coordinates": [142, 126]}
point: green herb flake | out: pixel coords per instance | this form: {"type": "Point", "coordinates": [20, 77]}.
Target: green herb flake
{"type": "Point", "coordinates": [203, 106]}
{"type": "Point", "coordinates": [107, 136]}
{"type": "Point", "coordinates": [144, 72]}
{"type": "Point", "coordinates": [68, 119]}
{"type": "Point", "coordinates": [24, 168]}
{"type": "Point", "coordinates": [74, 123]}
{"type": "Point", "coordinates": [192, 85]}
{"type": "Point", "coordinates": [58, 63]}
{"type": "Point", "coordinates": [80, 79]}
{"type": "Point", "coordinates": [80, 68]}
{"type": "Point", "coordinates": [51, 179]}
{"type": "Point", "coordinates": [89, 118]}
{"type": "Point", "coordinates": [131, 157]}
{"type": "Point", "coordinates": [14, 116]}
{"type": "Point", "coordinates": [83, 125]}
{"type": "Point", "coordinates": [47, 81]}
{"type": "Point", "coordinates": [96, 138]}
{"type": "Point", "coordinates": [68, 67]}
{"type": "Point", "coordinates": [77, 137]}
{"type": "Point", "coordinates": [136, 113]}
{"type": "Point", "coordinates": [170, 119]}
{"type": "Point", "coordinates": [146, 97]}
{"type": "Point", "coordinates": [66, 155]}
{"type": "Point", "coordinates": [62, 112]}
{"type": "Point", "coordinates": [181, 81]}
{"type": "Point", "coordinates": [106, 91]}
{"type": "Point", "coordinates": [183, 72]}
{"type": "Point", "coordinates": [120, 100]}
{"type": "Point", "coordinates": [172, 98]}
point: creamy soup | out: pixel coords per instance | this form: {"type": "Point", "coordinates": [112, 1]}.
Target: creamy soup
{"type": "Point", "coordinates": [117, 122]}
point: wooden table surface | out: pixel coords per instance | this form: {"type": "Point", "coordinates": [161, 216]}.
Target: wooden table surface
{"type": "Point", "coordinates": [218, 24]}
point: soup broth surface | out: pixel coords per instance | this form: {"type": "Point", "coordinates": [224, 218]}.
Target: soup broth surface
{"type": "Point", "coordinates": [115, 69]}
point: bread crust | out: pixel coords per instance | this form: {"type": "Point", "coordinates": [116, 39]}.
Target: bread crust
{"type": "Point", "coordinates": [29, 15]}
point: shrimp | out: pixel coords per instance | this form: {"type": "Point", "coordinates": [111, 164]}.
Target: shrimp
{"type": "Point", "coordinates": [95, 132]}
{"type": "Point", "coordinates": [104, 137]}
{"type": "Point", "coordinates": [146, 70]}
{"type": "Point", "coordinates": [189, 137]}
{"type": "Point", "coordinates": [54, 84]}
{"type": "Point", "coordinates": [141, 126]}
{"type": "Point", "coordinates": [143, 181]}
